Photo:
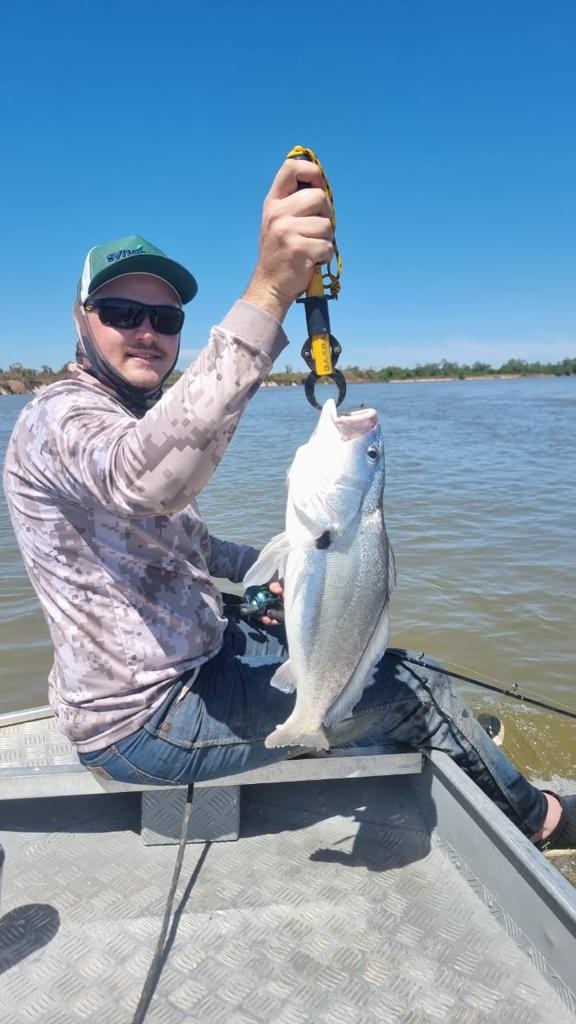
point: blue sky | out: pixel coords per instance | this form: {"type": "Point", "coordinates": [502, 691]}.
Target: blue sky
{"type": "Point", "coordinates": [447, 130]}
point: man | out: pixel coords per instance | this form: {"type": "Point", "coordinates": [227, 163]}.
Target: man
{"type": "Point", "coordinates": [154, 680]}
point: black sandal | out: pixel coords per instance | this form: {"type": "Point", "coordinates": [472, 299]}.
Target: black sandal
{"type": "Point", "coordinates": [564, 835]}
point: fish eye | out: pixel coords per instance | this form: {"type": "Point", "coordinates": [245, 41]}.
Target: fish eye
{"type": "Point", "coordinates": [373, 453]}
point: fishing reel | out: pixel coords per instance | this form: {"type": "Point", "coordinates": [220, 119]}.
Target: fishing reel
{"type": "Point", "coordinates": [260, 600]}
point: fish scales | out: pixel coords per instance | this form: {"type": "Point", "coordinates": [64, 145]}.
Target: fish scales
{"type": "Point", "coordinates": [351, 570]}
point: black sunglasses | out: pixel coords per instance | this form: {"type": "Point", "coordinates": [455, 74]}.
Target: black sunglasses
{"type": "Point", "coordinates": [128, 314]}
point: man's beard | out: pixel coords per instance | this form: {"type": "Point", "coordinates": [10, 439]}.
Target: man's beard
{"type": "Point", "coordinates": [136, 399]}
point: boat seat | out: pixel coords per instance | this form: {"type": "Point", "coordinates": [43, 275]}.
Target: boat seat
{"type": "Point", "coordinates": [37, 761]}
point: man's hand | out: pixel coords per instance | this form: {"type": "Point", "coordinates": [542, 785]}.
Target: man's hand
{"type": "Point", "coordinates": [296, 233]}
{"type": "Point", "coordinates": [275, 587]}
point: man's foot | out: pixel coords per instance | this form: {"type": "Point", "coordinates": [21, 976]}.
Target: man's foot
{"type": "Point", "coordinates": [493, 726]}
{"type": "Point", "coordinates": [559, 830]}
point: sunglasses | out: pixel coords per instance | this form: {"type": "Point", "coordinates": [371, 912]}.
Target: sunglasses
{"type": "Point", "coordinates": [128, 314]}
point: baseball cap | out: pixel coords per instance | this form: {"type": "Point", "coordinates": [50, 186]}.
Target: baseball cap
{"type": "Point", "coordinates": [133, 255]}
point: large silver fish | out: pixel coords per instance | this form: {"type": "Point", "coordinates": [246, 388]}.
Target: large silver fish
{"type": "Point", "coordinates": [338, 571]}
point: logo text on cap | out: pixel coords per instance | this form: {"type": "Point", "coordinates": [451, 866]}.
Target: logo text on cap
{"type": "Point", "coordinates": [121, 254]}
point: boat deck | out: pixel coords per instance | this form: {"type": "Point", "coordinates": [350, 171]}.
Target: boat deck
{"type": "Point", "coordinates": [337, 905]}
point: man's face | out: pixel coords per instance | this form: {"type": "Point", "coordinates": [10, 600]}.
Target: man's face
{"type": "Point", "coordinates": [141, 354]}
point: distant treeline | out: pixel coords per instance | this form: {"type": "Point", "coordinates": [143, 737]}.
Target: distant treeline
{"type": "Point", "coordinates": [444, 369]}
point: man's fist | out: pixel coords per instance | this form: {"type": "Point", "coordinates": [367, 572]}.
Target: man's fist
{"type": "Point", "coordinates": [296, 234]}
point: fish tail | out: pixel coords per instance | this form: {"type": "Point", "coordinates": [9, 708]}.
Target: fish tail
{"type": "Point", "coordinates": [290, 734]}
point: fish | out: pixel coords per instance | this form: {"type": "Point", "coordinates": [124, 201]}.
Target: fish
{"type": "Point", "coordinates": [338, 568]}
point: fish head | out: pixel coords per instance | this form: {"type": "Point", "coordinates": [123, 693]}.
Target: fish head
{"type": "Point", "coordinates": [337, 473]}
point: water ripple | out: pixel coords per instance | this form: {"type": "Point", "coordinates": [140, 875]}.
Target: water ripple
{"type": "Point", "coordinates": [480, 499]}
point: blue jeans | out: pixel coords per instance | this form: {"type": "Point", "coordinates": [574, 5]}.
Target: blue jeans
{"type": "Point", "coordinates": [217, 727]}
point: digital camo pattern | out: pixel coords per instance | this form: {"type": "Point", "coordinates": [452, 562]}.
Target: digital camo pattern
{"type": "Point", "coordinates": [103, 506]}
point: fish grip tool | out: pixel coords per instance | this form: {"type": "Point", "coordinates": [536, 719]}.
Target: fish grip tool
{"type": "Point", "coordinates": [321, 349]}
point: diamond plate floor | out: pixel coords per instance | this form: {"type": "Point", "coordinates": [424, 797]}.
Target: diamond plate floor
{"type": "Point", "coordinates": [337, 918]}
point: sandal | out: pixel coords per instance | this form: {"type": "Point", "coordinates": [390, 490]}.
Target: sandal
{"type": "Point", "coordinates": [564, 835]}
{"type": "Point", "coordinates": [493, 726]}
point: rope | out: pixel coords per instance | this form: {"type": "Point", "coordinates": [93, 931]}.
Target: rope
{"type": "Point", "coordinates": [155, 968]}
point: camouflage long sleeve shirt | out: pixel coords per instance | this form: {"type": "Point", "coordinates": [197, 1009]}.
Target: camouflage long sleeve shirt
{"type": "Point", "coordinates": [104, 510]}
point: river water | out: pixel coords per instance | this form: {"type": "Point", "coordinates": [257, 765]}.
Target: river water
{"type": "Point", "coordinates": [480, 507]}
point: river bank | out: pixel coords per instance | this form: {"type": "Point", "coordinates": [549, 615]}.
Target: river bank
{"type": "Point", "coordinates": [16, 386]}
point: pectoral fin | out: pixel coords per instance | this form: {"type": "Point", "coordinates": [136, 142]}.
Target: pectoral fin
{"type": "Point", "coordinates": [270, 562]}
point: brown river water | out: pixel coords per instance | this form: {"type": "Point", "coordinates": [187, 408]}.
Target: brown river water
{"type": "Point", "coordinates": [480, 506]}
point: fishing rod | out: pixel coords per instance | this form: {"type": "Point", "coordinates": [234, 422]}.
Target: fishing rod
{"type": "Point", "coordinates": [321, 349]}
{"type": "Point", "coordinates": [259, 600]}
{"type": "Point", "coordinates": [504, 692]}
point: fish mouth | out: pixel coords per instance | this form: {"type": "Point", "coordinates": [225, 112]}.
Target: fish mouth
{"type": "Point", "coordinates": [355, 423]}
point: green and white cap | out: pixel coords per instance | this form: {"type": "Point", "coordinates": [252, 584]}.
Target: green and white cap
{"type": "Point", "coordinates": [133, 255]}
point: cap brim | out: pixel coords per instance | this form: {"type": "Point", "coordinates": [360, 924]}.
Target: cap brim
{"type": "Point", "coordinates": [173, 273]}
